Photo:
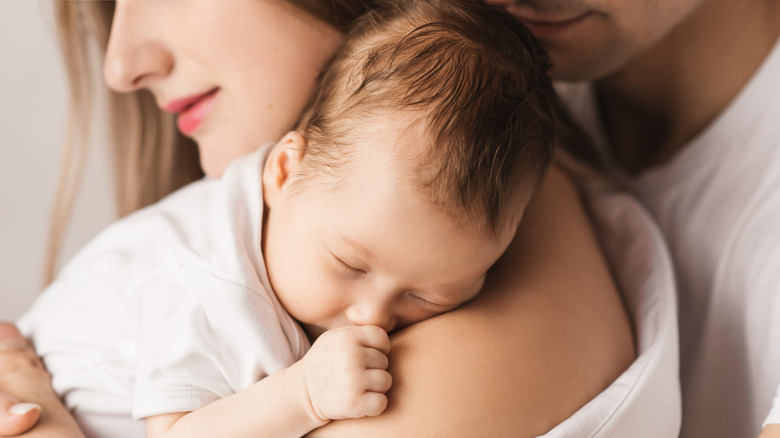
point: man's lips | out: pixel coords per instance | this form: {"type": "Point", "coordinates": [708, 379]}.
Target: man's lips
{"type": "Point", "coordinates": [542, 26]}
{"type": "Point", "coordinates": [553, 21]}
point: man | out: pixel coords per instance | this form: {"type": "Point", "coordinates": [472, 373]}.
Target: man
{"type": "Point", "coordinates": [687, 112]}
{"type": "Point", "coordinates": [683, 100]}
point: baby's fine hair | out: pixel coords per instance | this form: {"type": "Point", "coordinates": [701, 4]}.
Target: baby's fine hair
{"type": "Point", "coordinates": [476, 80]}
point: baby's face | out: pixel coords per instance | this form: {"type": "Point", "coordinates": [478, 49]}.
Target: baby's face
{"type": "Point", "coordinates": [373, 251]}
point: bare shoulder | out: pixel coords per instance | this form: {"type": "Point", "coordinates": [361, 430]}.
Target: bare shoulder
{"type": "Point", "coordinates": [547, 334]}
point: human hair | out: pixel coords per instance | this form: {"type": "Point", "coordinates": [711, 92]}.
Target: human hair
{"type": "Point", "coordinates": [150, 157]}
{"type": "Point", "coordinates": [475, 79]}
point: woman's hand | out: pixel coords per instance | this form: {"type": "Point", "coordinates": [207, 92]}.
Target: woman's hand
{"type": "Point", "coordinates": [26, 395]}
{"type": "Point", "coordinates": [15, 416]}
{"type": "Point", "coordinates": [18, 364]}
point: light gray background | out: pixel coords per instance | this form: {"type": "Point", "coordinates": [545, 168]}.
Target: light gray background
{"type": "Point", "coordinates": [33, 105]}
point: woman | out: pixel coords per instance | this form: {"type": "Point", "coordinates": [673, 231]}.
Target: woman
{"type": "Point", "coordinates": [533, 348]}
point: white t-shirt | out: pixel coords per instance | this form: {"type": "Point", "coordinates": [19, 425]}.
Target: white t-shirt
{"type": "Point", "coordinates": [167, 310]}
{"type": "Point", "coordinates": [644, 401]}
{"type": "Point", "coordinates": [718, 204]}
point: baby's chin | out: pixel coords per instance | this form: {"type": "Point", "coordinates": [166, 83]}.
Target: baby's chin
{"type": "Point", "coordinates": [312, 331]}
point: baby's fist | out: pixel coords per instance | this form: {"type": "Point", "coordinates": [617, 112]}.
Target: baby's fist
{"type": "Point", "coordinates": [346, 372]}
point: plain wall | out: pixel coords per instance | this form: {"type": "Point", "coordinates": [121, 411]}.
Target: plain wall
{"type": "Point", "coordinates": [33, 93]}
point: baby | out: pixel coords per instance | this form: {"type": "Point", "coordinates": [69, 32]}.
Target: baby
{"type": "Point", "coordinates": [403, 183]}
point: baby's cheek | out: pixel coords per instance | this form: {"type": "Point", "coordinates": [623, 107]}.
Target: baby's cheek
{"type": "Point", "coordinates": [321, 306]}
{"type": "Point", "coordinates": [416, 316]}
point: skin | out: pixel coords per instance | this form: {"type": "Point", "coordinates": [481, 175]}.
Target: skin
{"type": "Point", "coordinates": [608, 34]}
{"type": "Point", "coordinates": [264, 80]}
{"type": "Point", "coordinates": [658, 65]}
{"type": "Point", "coordinates": [351, 258]}
{"type": "Point", "coordinates": [531, 349]}
{"type": "Point", "coordinates": [525, 353]}
{"type": "Point", "coordinates": [572, 345]}
{"type": "Point", "coordinates": [22, 377]}
{"type": "Point", "coordinates": [342, 376]}
{"type": "Point", "coordinates": [659, 69]}
{"type": "Point", "coordinates": [368, 248]}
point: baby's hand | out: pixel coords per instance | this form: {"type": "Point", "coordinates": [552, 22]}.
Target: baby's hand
{"type": "Point", "coordinates": [345, 372]}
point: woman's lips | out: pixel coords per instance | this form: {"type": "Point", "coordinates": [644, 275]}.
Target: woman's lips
{"type": "Point", "coordinates": [192, 110]}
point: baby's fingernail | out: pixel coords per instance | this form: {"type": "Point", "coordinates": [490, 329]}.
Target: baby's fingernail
{"type": "Point", "coordinates": [23, 408]}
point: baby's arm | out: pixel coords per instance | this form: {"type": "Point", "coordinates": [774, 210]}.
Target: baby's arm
{"type": "Point", "coordinates": [342, 376]}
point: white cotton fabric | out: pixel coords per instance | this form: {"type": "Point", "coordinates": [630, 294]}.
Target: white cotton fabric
{"type": "Point", "coordinates": [167, 310]}
{"type": "Point", "coordinates": [644, 401]}
{"type": "Point", "coordinates": [718, 204]}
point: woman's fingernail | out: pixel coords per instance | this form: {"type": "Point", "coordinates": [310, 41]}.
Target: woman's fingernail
{"type": "Point", "coordinates": [12, 343]}
{"type": "Point", "coordinates": [23, 408]}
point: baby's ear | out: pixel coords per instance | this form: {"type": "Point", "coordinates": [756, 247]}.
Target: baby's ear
{"type": "Point", "coordinates": [284, 157]}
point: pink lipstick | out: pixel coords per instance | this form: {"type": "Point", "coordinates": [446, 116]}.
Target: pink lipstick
{"type": "Point", "coordinates": [192, 110]}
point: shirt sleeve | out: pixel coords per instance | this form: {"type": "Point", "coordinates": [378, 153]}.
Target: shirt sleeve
{"type": "Point", "coordinates": [774, 413]}
{"type": "Point", "coordinates": [202, 338]}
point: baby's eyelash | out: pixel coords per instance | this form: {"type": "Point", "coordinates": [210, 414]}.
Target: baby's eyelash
{"type": "Point", "coordinates": [347, 269]}
{"type": "Point", "coordinates": [429, 303]}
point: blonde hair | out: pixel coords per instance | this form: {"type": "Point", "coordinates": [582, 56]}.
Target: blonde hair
{"type": "Point", "coordinates": [150, 157]}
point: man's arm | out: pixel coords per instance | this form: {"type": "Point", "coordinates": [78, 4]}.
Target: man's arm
{"type": "Point", "coordinates": [771, 431]}
{"type": "Point", "coordinates": [547, 334]}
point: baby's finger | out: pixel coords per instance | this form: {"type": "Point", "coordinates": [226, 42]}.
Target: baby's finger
{"type": "Point", "coordinates": [375, 359]}
{"type": "Point", "coordinates": [374, 337]}
{"type": "Point", "coordinates": [373, 404]}
{"type": "Point", "coordinates": [377, 380]}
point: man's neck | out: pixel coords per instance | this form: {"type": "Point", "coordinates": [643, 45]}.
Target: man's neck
{"type": "Point", "coordinates": [652, 107]}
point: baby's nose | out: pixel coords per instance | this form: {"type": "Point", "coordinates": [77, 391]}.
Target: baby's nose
{"type": "Point", "coordinates": [371, 314]}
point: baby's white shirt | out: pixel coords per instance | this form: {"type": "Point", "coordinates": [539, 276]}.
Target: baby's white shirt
{"type": "Point", "coordinates": [168, 309]}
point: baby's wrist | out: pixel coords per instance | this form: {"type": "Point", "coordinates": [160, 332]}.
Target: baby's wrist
{"type": "Point", "coordinates": [297, 377]}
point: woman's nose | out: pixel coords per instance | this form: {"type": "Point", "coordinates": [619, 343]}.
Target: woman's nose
{"type": "Point", "coordinates": [372, 313]}
{"type": "Point", "coordinates": [135, 55]}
